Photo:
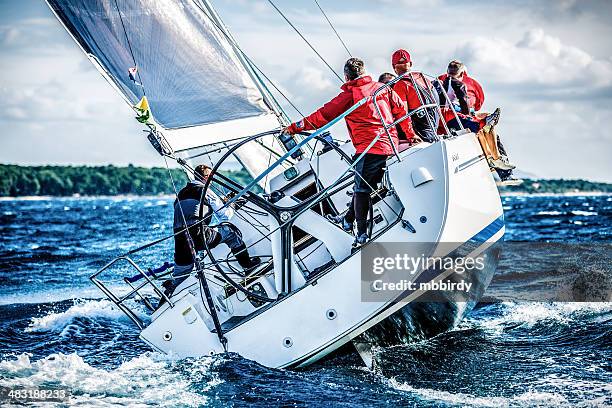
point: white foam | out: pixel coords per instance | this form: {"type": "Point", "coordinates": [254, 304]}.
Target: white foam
{"type": "Point", "coordinates": [530, 313]}
{"type": "Point", "coordinates": [529, 398]}
{"type": "Point", "coordinates": [585, 213]}
{"type": "Point", "coordinates": [57, 295]}
{"type": "Point", "coordinates": [147, 380]}
{"type": "Point", "coordinates": [92, 309]}
{"type": "Point", "coordinates": [549, 213]}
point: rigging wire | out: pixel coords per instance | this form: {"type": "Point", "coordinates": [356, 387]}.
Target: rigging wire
{"type": "Point", "coordinates": [305, 40]}
{"type": "Point", "coordinates": [127, 39]}
{"type": "Point", "coordinates": [333, 28]}
{"type": "Point", "coordinates": [248, 59]}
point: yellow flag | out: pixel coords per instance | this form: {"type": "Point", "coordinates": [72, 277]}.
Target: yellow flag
{"type": "Point", "coordinates": [143, 104]}
{"type": "Point", "coordinates": [142, 107]}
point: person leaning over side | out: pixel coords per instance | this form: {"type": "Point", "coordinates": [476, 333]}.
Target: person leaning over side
{"type": "Point", "coordinates": [466, 97]}
{"type": "Point", "coordinates": [364, 126]}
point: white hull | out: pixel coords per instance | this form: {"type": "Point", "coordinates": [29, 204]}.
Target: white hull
{"type": "Point", "coordinates": [459, 200]}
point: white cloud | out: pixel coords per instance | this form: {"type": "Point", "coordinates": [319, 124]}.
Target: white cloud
{"type": "Point", "coordinates": [536, 59]}
{"type": "Point", "coordinates": [412, 3]}
{"type": "Point", "coordinates": [311, 78]}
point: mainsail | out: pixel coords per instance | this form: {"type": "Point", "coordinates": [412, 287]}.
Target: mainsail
{"type": "Point", "coordinates": [175, 53]}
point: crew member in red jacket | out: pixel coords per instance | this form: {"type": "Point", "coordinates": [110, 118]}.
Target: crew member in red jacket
{"type": "Point", "coordinates": [416, 90]}
{"type": "Point", "coordinates": [466, 98]}
{"type": "Point", "coordinates": [364, 126]}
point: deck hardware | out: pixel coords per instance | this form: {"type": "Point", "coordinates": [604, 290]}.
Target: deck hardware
{"type": "Point", "coordinates": [189, 315]}
{"type": "Point", "coordinates": [423, 219]}
{"type": "Point", "coordinates": [287, 342]}
{"type": "Point", "coordinates": [167, 336]}
{"type": "Point", "coordinates": [408, 226]}
{"type": "Point", "coordinates": [291, 173]}
{"type": "Point", "coordinates": [285, 216]}
{"type": "Point", "coordinates": [420, 176]}
{"type": "Point", "coordinates": [331, 314]}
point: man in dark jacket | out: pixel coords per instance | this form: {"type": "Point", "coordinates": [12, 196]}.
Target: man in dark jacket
{"type": "Point", "coordinates": [364, 126]}
{"type": "Point", "coordinates": [193, 210]}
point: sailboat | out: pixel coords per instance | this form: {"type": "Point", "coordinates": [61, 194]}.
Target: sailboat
{"type": "Point", "coordinates": [201, 99]}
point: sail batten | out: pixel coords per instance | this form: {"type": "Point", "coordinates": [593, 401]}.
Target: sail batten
{"type": "Point", "coordinates": [172, 51]}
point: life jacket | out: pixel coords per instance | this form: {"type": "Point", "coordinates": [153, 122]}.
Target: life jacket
{"type": "Point", "coordinates": [190, 204]}
{"type": "Point", "coordinates": [424, 122]}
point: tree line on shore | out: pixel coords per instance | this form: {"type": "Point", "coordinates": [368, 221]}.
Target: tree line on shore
{"type": "Point", "coordinates": [553, 186]}
{"type": "Point", "coordinates": [18, 181]}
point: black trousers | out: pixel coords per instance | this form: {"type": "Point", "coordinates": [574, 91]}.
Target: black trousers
{"type": "Point", "coordinates": [199, 233]}
{"type": "Point", "coordinates": [369, 172]}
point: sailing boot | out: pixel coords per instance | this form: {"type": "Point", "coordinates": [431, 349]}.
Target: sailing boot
{"type": "Point", "coordinates": [247, 262]}
{"type": "Point", "coordinates": [362, 236]}
{"type": "Point", "coordinates": [501, 164]}
{"type": "Point", "coordinates": [493, 119]}
{"type": "Point", "coordinates": [339, 219]}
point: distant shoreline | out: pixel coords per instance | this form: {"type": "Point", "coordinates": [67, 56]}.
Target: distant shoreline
{"type": "Point", "coordinates": [88, 197]}
{"type": "Point", "coordinates": [171, 196]}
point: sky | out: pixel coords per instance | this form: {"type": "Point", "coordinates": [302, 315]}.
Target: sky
{"type": "Point", "coordinates": [547, 64]}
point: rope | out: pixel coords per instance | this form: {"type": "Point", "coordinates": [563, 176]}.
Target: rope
{"type": "Point", "coordinates": [333, 28]}
{"type": "Point", "coordinates": [127, 39]}
{"type": "Point", "coordinates": [306, 41]}
{"type": "Point", "coordinates": [248, 59]}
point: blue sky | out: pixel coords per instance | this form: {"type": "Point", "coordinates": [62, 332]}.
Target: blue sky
{"type": "Point", "coordinates": [547, 64]}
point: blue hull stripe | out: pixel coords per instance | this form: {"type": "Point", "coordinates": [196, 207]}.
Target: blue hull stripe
{"type": "Point", "coordinates": [488, 231]}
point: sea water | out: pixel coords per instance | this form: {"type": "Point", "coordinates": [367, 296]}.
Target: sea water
{"type": "Point", "coordinates": [57, 330]}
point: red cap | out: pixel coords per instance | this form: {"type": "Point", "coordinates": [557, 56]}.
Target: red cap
{"type": "Point", "coordinates": [400, 57]}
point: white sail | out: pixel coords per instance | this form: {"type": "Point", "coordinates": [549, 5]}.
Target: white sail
{"type": "Point", "coordinates": [178, 54]}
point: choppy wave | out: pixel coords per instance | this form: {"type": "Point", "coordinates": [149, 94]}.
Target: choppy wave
{"type": "Point", "coordinates": [530, 398]}
{"type": "Point", "coordinates": [504, 354]}
{"type": "Point", "coordinates": [147, 380]}
{"type": "Point", "coordinates": [93, 309]}
{"type": "Point", "coordinates": [528, 314]}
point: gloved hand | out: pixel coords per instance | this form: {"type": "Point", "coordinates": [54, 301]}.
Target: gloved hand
{"type": "Point", "coordinates": [294, 128]}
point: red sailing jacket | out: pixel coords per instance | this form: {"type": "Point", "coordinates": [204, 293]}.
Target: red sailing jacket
{"type": "Point", "coordinates": [475, 96]}
{"type": "Point", "coordinates": [474, 90]}
{"type": "Point", "coordinates": [405, 90]}
{"type": "Point", "coordinates": [363, 123]}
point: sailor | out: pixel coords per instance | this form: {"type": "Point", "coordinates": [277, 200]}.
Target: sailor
{"type": "Point", "coordinates": [386, 77]}
{"type": "Point", "coordinates": [416, 90]}
{"type": "Point", "coordinates": [364, 126]}
{"type": "Point", "coordinates": [466, 98]}
{"type": "Point", "coordinates": [196, 210]}
{"type": "Point", "coordinates": [221, 215]}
